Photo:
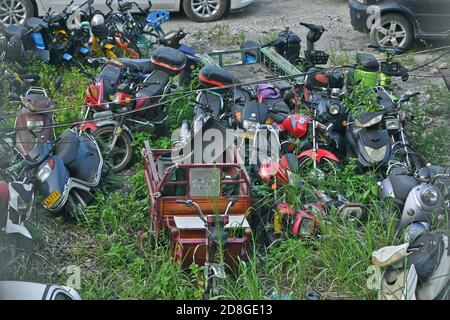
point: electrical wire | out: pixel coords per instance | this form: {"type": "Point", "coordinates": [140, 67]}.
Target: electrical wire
{"type": "Point", "coordinates": [185, 94]}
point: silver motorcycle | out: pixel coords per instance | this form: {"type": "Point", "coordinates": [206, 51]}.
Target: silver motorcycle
{"type": "Point", "coordinates": [421, 196]}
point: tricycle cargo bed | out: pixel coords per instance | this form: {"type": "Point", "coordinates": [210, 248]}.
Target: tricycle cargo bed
{"type": "Point", "coordinates": [268, 64]}
{"type": "Point", "coordinates": [210, 185]}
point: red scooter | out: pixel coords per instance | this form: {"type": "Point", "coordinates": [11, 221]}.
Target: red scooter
{"type": "Point", "coordinates": [35, 118]}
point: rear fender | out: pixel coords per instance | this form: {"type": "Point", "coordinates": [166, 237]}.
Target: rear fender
{"type": "Point", "coordinates": [93, 126]}
{"type": "Point", "coordinates": [321, 153]}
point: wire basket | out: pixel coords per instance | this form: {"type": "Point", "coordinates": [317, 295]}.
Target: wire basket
{"type": "Point", "coordinates": [316, 57]}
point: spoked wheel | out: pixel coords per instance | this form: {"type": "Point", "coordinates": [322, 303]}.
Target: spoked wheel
{"type": "Point", "coordinates": [15, 11]}
{"type": "Point", "coordinates": [324, 169]}
{"type": "Point", "coordinates": [120, 156]}
{"type": "Point", "coordinates": [408, 156]}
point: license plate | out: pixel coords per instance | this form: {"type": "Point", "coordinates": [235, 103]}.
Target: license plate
{"type": "Point", "coordinates": [52, 199]}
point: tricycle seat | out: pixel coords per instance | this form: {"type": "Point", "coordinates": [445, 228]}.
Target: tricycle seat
{"type": "Point", "coordinates": [195, 223]}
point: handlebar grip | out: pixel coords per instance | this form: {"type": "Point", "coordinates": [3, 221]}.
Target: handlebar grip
{"type": "Point", "coordinates": [181, 201]}
{"type": "Point", "coordinates": [30, 77]}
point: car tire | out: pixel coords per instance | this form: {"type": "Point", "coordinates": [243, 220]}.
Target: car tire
{"type": "Point", "coordinates": [217, 9]}
{"type": "Point", "coordinates": [25, 8]}
{"type": "Point", "coordinates": [394, 30]}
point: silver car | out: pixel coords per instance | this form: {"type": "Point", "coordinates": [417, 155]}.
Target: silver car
{"type": "Point", "coordinates": [17, 11]}
{"type": "Point", "coordinates": [21, 290]}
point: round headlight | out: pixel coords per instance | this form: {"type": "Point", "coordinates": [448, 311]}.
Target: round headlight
{"type": "Point", "coordinates": [334, 109]}
{"type": "Point", "coordinates": [430, 196]}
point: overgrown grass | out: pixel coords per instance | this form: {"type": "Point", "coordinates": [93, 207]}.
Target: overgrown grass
{"type": "Point", "coordinates": [118, 260]}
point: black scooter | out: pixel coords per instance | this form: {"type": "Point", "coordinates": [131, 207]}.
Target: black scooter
{"type": "Point", "coordinates": [66, 170]}
{"type": "Point", "coordinates": [368, 139]}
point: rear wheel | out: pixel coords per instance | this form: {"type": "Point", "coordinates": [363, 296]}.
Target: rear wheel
{"type": "Point", "coordinates": [205, 10]}
{"type": "Point", "coordinates": [120, 156]}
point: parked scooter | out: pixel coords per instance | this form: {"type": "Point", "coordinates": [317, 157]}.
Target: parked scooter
{"type": "Point", "coordinates": [416, 270]}
{"type": "Point", "coordinates": [131, 106]}
{"type": "Point", "coordinates": [16, 206]}
{"type": "Point", "coordinates": [368, 140]}
{"type": "Point", "coordinates": [66, 170]}
{"type": "Point", "coordinates": [371, 72]}
{"type": "Point", "coordinates": [35, 117]}
{"type": "Point", "coordinates": [395, 119]}
{"type": "Point", "coordinates": [419, 197]}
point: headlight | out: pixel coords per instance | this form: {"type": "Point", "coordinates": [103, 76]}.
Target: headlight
{"type": "Point", "coordinates": [362, 1]}
{"type": "Point", "coordinates": [250, 125]}
{"type": "Point", "coordinates": [45, 171]}
{"type": "Point", "coordinates": [334, 109]}
{"type": "Point", "coordinates": [376, 155]}
{"type": "Point", "coordinates": [35, 125]}
{"type": "Point", "coordinates": [393, 124]}
{"type": "Point", "coordinates": [430, 196]}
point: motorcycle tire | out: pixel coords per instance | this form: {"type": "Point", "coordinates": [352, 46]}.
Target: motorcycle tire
{"type": "Point", "coordinates": [305, 161]}
{"type": "Point", "coordinates": [416, 162]}
{"type": "Point", "coordinates": [125, 143]}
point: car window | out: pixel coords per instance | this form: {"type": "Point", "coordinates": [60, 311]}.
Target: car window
{"type": "Point", "coordinates": [61, 296]}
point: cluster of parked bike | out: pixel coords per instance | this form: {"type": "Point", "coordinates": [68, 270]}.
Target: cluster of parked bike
{"type": "Point", "coordinates": [295, 107]}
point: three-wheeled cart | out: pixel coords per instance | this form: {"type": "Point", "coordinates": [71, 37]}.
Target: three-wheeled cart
{"type": "Point", "coordinates": [212, 187]}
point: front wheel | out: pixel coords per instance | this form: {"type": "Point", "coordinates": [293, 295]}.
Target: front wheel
{"type": "Point", "coordinates": [205, 10]}
{"type": "Point", "coordinates": [119, 156]}
{"type": "Point", "coordinates": [319, 170]}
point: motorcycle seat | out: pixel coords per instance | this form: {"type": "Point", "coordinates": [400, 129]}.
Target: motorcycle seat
{"type": "Point", "coordinates": [67, 146]}
{"type": "Point", "coordinates": [277, 117]}
{"type": "Point", "coordinates": [388, 104]}
{"type": "Point", "coordinates": [369, 119]}
{"type": "Point", "coordinates": [138, 65]}
{"type": "Point", "coordinates": [213, 101]}
{"type": "Point", "coordinates": [402, 184]}
{"type": "Point", "coordinates": [159, 81]}
{"type": "Point", "coordinates": [16, 31]}
{"type": "Point", "coordinates": [35, 22]}
{"type": "Point", "coordinates": [37, 102]}
{"type": "Point", "coordinates": [367, 61]}
{"type": "Point", "coordinates": [426, 253]}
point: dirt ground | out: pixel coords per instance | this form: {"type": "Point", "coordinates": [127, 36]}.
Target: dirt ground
{"type": "Point", "coordinates": [266, 16]}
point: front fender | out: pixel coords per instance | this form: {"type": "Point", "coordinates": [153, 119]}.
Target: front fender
{"type": "Point", "coordinates": [92, 126]}
{"type": "Point", "coordinates": [321, 153]}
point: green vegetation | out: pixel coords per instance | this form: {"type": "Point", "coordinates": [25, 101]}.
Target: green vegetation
{"type": "Point", "coordinates": [120, 259]}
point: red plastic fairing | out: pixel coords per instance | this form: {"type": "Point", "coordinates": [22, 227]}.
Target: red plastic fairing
{"type": "Point", "coordinates": [4, 192]}
{"type": "Point", "coordinates": [321, 153]}
{"type": "Point", "coordinates": [89, 126]}
{"type": "Point", "coordinates": [94, 95]}
{"type": "Point", "coordinates": [142, 101]}
{"type": "Point", "coordinates": [296, 124]}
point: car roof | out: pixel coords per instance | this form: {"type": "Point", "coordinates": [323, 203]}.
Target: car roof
{"type": "Point", "coordinates": [22, 290]}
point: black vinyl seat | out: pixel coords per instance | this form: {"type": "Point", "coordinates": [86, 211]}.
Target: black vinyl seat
{"type": "Point", "coordinates": [401, 183]}
{"type": "Point", "coordinates": [67, 147]}
{"type": "Point", "coordinates": [16, 31]}
{"type": "Point", "coordinates": [364, 119]}
{"type": "Point", "coordinates": [35, 22]}
{"type": "Point", "coordinates": [367, 61]}
{"type": "Point", "coordinates": [158, 81]}
{"type": "Point", "coordinates": [138, 65]}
